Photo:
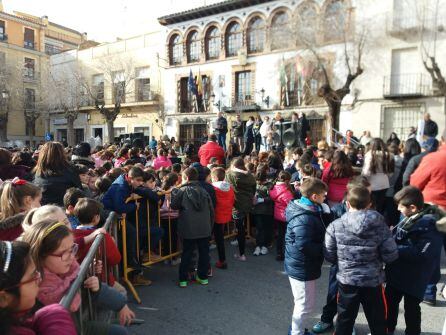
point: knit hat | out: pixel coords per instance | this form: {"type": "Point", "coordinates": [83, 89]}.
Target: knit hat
{"type": "Point", "coordinates": [430, 144]}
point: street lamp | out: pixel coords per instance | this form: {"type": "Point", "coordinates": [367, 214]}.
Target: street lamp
{"type": "Point", "coordinates": [264, 100]}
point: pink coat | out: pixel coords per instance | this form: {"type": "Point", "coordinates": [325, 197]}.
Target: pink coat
{"type": "Point", "coordinates": [53, 287]}
{"type": "Point", "coordinates": [337, 187]}
{"type": "Point", "coordinates": [281, 195]}
{"type": "Point", "coordinates": [160, 162]}
{"type": "Point", "coordinates": [49, 320]}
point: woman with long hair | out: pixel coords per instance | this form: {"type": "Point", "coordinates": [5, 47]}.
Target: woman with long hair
{"type": "Point", "coordinates": [411, 149]}
{"type": "Point", "coordinates": [378, 165]}
{"type": "Point", "coordinates": [8, 170]}
{"type": "Point", "coordinates": [337, 177]}
{"type": "Point", "coordinates": [53, 174]}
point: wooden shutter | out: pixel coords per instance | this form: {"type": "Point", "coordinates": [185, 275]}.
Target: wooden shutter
{"type": "Point", "coordinates": [29, 35]}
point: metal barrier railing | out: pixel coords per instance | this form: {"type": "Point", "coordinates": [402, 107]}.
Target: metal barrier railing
{"type": "Point", "coordinates": [87, 267]}
{"type": "Point", "coordinates": [150, 260]}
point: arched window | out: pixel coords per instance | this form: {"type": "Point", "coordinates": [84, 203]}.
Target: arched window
{"type": "Point", "coordinates": [193, 47]}
{"type": "Point", "coordinates": [281, 31]}
{"type": "Point", "coordinates": [175, 50]}
{"type": "Point", "coordinates": [334, 21]}
{"type": "Point", "coordinates": [234, 39]}
{"type": "Point", "coordinates": [212, 43]}
{"type": "Point", "coordinates": [256, 35]}
{"type": "Point", "coordinates": [306, 24]}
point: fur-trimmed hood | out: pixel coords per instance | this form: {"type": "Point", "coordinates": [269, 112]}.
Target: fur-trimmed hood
{"type": "Point", "coordinates": [12, 221]}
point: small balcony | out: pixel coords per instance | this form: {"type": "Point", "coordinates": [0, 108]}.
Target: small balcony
{"type": "Point", "coordinates": [410, 85]}
{"type": "Point", "coordinates": [30, 76]}
{"type": "Point", "coordinates": [29, 45]}
{"type": "Point", "coordinates": [3, 37]}
{"type": "Point", "coordinates": [245, 105]}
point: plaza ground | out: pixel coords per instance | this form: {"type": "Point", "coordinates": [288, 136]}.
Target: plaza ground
{"type": "Point", "coordinates": [253, 297]}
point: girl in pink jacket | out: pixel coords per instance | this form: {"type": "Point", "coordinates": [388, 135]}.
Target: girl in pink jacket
{"type": "Point", "coordinates": [161, 160]}
{"type": "Point", "coordinates": [281, 195]}
{"type": "Point", "coordinates": [19, 285]}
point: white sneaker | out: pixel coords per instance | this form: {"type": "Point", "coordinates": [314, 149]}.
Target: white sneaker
{"type": "Point", "coordinates": [264, 251]}
{"type": "Point", "coordinates": [256, 252]}
{"type": "Point", "coordinates": [234, 242]}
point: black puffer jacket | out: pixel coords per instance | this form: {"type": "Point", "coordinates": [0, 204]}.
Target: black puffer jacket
{"type": "Point", "coordinates": [196, 217]}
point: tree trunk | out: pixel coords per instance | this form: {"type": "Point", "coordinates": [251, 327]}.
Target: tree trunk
{"type": "Point", "coordinates": [334, 111]}
{"type": "Point", "coordinates": [110, 131]}
{"type": "Point", "coordinates": [3, 130]}
{"type": "Point", "coordinates": [70, 131]}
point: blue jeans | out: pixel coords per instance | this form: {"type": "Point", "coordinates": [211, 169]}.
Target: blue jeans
{"type": "Point", "coordinates": [222, 140]}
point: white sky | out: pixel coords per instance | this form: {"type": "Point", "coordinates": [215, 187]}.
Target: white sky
{"type": "Point", "coordinates": [105, 20]}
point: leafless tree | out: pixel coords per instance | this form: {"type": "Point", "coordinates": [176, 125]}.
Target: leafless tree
{"type": "Point", "coordinates": [119, 74]}
{"type": "Point", "coordinates": [337, 27]}
{"type": "Point", "coordinates": [4, 97]}
{"type": "Point", "coordinates": [67, 94]}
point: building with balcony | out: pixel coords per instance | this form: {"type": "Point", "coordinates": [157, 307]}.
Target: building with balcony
{"type": "Point", "coordinates": [246, 59]}
{"type": "Point", "coordinates": [126, 72]}
{"type": "Point", "coordinates": [24, 64]}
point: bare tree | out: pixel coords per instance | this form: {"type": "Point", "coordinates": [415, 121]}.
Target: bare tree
{"type": "Point", "coordinates": [337, 27]}
{"type": "Point", "coordinates": [67, 94]}
{"type": "Point", "coordinates": [119, 74]}
{"type": "Point", "coordinates": [4, 98]}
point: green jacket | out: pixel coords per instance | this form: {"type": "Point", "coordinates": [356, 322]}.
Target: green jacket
{"type": "Point", "coordinates": [267, 206]}
{"type": "Point", "coordinates": [244, 185]}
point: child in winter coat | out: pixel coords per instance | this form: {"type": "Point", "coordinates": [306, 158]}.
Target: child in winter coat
{"type": "Point", "coordinates": [224, 194]}
{"type": "Point", "coordinates": [263, 211]}
{"type": "Point", "coordinates": [281, 195]}
{"type": "Point", "coordinates": [244, 185]}
{"type": "Point", "coordinates": [303, 249]}
{"type": "Point", "coordinates": [419, 249]}
{"type": "Point", "coordinates": [360, 242]}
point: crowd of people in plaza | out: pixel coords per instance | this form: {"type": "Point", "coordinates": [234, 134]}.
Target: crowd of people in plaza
{"type": "Point", "coordinates": [373, 209]}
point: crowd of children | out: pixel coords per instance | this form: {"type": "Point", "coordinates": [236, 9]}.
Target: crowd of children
{"type": "Point", "coordinates": [313, 203]}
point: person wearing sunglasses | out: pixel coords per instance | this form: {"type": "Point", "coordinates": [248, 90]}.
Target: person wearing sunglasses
{"type": "Point", "coordinates": [19, 286]}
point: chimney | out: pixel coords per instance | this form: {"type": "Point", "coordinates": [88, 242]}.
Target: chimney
{"type": "Point", "coordinates": [44, 20]}
{"type": "Point", "coordinates": [84, 36]}
{"type": "Point", "coordinates": [1, 6]}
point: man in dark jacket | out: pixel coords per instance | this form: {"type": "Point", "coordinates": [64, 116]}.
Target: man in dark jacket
{"type": "Point", "coordinates": [430, 126]}
{"type": "Point", "coordinates": [221, 130]}
{"type": "Point", "coordinates": [195, 223]}
{"type": "Point", "coordinates": [428, 146]}
{"type": "Point", "coordinates": [304, 129]}
{"type": "Point", "coordinates": [359, 242]}
{"type": "Point", "coordinates": [303, 248]}
{"type": "Point", "coordinates": [419, 249]}
{"type": "Point", "coordinates": [237, 132]}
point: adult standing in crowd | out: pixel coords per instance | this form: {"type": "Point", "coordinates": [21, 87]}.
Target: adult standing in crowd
{"type": "Point", "coordinates": [211, 149]}
{"type": "Point", "coordinates": [237, 132]}
{"type": "Point", "coordinates": [393, 139]}
{"type": "Point", "coordinates": [428, 146]}
{"type": "Point", "coordinates": [256, 132]}
{"type": "Point", "coordinates": [430, 127]}
{"type": "Point", "coordinates": [249, 136]}
{"type": "Point", "coordinates": [366, 138]}
{"type": "Point", "coordinates": [54, 175]}
{"type": "Point", "coordinates": [153, 143]}
{"type": "Point", "coordinates": [265, 129]}
{"type": "Point", "coordinates": [412, 133]}
{"type": "Point", "coordinates": [430, 178]}
{"type": "Point", "coordinates": [378, 164]}
{"type": "Point", "coordinates": [10, 171]}
{"type": "Point", "coordinates": [82, 155]}
{"type": "Point", "coordinates": [304, 130]}
{"type": "Point", "coordinates": [221, 130]}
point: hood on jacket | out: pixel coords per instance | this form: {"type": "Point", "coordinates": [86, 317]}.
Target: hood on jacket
{"type": "Point", "coordinates": [222, 185]}
{"type": "Point", "coordinates": [361, 222]}
{"type": "Point", "coordinates": [192, 192]}
{"type": "Point", "coordinates": [12, 221]}
{"type": "Point", "coordinates": [295, 208]}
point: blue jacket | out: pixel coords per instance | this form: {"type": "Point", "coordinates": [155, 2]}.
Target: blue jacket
{"type": "Point", "coordinates": [303, 241]}
{"type": "Point", "coordinates": [419, 249]}
{"type": "Point", "coordinates": [114, 198]}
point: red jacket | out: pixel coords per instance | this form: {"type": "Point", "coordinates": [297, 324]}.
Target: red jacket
{"type": "Point", "coordinates": [113, 254]}
{"type": "Point", "coordinates": [281, 195]}
{"type": "Point", "coordinates": [225, 201]}
{"type": "Point", "coordinates": [430, 177]}
{"type": "Point", "coordinates": [336, 186]}
{"type": "Point", "coordinates": [209, 150]}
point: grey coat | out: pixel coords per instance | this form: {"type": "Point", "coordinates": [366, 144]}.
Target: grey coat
{"type": "Point", "coordinates": [360, 242]}
{"type": "Point", "coordinates": [196, 216]}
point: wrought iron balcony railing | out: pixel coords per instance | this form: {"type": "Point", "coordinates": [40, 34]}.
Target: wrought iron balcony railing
{"type": "Point", "coordinates": [409, 85]}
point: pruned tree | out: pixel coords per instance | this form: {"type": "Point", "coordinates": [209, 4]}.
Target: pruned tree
{"type": "Point", "coordinates": [119, 74]}
{"type": "Point", "coordinates": [67, 95]}
{"type": "Point", "coordinates": [4, 98]}
{"type": "Point", "coordinates": [338, 27]}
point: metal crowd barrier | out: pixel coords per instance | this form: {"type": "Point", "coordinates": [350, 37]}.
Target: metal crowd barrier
{"type": "Point", "coordinates": [87, 267]}
{"type": "Point", "coordinates": [230, 233]}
